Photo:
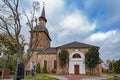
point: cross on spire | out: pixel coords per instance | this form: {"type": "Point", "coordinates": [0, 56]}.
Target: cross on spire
{"type": "Point", "coordinates": [43, 13]}
{"type": "Point", "coordinates": [44, 3]}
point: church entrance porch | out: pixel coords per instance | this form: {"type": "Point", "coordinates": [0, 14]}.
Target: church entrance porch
{"type": "Point", "coordinates": [76, 63]}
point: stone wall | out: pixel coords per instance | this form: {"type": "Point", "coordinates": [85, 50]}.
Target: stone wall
{"type": "Point", "coordinates": [70, 50]}
{"type": "Point", "coordinates": [50, 60]}
{"type": "Point", "coordinates": [42, 40]}
{"type": "Point", "coordinates": [50, 57]}
{"type": "Point", "coordinates": [97, 70]}
{"type": "Point", "coordinates": [33, 58]}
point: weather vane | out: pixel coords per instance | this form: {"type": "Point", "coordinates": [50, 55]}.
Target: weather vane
{"type": "Point", "coordinates": [44, 3]}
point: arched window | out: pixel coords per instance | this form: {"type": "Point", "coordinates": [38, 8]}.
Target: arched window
{"type": "Point", "coordinates": [76, 55]}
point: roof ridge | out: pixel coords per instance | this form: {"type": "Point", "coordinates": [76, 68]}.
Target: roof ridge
{"type": "Point", "coordinates": [75, 44]}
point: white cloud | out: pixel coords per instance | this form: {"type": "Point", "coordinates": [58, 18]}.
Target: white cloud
{"type": "Point", "coordinates": [108, 43]}
{"type": "Point", "coordinates": [69, 26]}
{"type": "Point", "coordinates": [78, 22]}
{"type": "Point", "coordinates": [101, 36]}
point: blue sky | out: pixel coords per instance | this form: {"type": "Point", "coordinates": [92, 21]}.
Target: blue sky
{"type": "Point", "coordinates": [95, 22]}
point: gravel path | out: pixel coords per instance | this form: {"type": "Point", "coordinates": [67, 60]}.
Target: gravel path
{"type": "Point", "coordinates": [6, 79]}
{"type": "Point", "coordinates": [97, 78]}
{"type": "Point", "coordinates": [79, 77]}
{"type": "Point", "coordinates": [60, 77]}
{"type": "Point", "coordinates": [102, 77]}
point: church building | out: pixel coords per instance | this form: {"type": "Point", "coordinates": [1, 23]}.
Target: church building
{"type": "Point", "coordinates": [45, 53]}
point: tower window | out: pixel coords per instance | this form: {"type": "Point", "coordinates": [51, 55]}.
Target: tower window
{"type": "Point", "coordinates": [77, 56]}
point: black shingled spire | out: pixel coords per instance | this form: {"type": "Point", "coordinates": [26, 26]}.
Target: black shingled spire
{"type": "Point", "coordinates": [43, 15]}
{"type": "Point", "coordinates": [42, 27]}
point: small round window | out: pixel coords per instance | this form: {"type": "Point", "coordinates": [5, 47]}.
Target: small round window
{"type": "Point", "coordinates": [76, 56]}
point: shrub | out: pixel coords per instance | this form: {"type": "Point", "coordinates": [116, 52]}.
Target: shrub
{"type": "Point", "coordinates": [1, 62]}
{"type": "Point", "coordinates": [12, 65]}
{"type": "Point", "coordinates": [38, 68]}
{"type": "Point", "coordinates": [53, 71]}
{"type": "Point", "coordinates": [45, 67]}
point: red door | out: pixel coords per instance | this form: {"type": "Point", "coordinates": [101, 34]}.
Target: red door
{"type": "Point", "coordinates": [76, 69]}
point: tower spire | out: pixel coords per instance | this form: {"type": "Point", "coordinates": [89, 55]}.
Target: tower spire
{"type": "Point", "coordinates": [42, 17]}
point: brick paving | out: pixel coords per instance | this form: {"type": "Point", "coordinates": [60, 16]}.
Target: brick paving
{"type": "Point", "coordinates": [69, 77]}
{"type": "Point", "coordinates": [75, 77]}
{"type": "Point", "coordinates": [81, 77]}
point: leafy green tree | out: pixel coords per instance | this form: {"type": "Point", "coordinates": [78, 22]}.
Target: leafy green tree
{"type": "Point", "coordinates": [45, 67]}
{"type": "Point", "coordinates": [116, 66]}
{"type": "Point", "coordinates": [12, 65]}
{"type": "Point", "coordinates": [1, 62]}
{"type": "Point", "coordinates": [111, 66]}
{"type": "Point", "coordinates": [11, 24]}
{"type": "Point", "coordinates": [8, 47]}
{"type": "Point", "coordinates": [38, 68]}
{"type": "Point", "coordinates": [92, 59]}
{"type": "Point", "coordinates": [63, 58]}
{"type": "Point", "coordinates": [24, 59]}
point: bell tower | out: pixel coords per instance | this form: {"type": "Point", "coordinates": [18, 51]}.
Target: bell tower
{"type": "Point", "coordinates": [43, 34]}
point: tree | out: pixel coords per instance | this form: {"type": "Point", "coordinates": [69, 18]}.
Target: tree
{"type": "Point", "coordinates": [38, 68]}
{"type": "Point", "coordinates": [63, 58]}
{"type": "Point", "coordinates": [45, 67]}
{"type": "Point", "coordinates": [11, 24]}
{"type": "Point", "coordinates": [34, 40]}
{"type": "Point", "coordinates": [116, 66]}
{"type": "Point", "coordinates": [111, 66]}
{"type": "Point", "coordinates": [92, 59]}
{"type": "Point", "coordinates": [8, 47]}
{"type": "Point", "coordinates": [1, 62]}
{"type": "Point", "coordinates": [12, 65]}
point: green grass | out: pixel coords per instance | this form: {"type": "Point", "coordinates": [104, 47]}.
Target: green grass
{"type": "Point", "coordinates": [110, 79]}
{"type": "Point", "coordinates": [40, 77]}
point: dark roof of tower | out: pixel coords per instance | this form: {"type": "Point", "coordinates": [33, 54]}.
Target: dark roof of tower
{"type": "Point", "coordinates": [42, 28]}
{"type": "Point", "coordinates": [43, 14]}
{"type": "Point", "coordinates": [76, 45]}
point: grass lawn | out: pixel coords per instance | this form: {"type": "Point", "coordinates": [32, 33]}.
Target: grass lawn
{"type": "Point", "coordinates": [40, 77]}
{"type": "Point", "coordinates": [110, 79]}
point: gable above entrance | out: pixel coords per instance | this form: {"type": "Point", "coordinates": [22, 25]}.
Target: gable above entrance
{"type": "Point", "coordinates": [77, 52]}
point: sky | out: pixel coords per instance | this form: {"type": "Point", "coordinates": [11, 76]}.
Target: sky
{"type": "Point", "coordinates": [95, 22]}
